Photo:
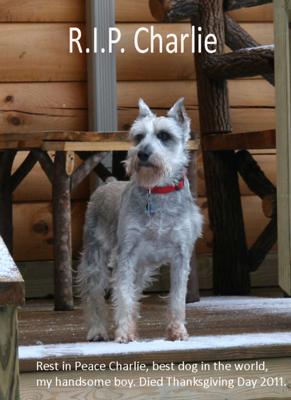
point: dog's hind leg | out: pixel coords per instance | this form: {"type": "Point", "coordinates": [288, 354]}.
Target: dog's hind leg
{"type": "Point", "coordinates": [93, 277]}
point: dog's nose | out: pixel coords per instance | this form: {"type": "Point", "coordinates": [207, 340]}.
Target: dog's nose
{"type": "Point", "coordinates": [143, 155]}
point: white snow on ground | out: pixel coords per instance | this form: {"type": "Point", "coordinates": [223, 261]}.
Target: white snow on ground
{"type": "Point", "coordinates": [154, 346]}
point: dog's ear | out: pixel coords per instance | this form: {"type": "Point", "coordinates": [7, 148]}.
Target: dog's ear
{"type": "Point", "coordinates": [144, 110]}
{"type": "Point", "coordinates": [178, 112]}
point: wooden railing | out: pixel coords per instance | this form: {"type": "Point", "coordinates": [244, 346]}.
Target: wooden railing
{"type": "Point", "coordinates": [11, 296]}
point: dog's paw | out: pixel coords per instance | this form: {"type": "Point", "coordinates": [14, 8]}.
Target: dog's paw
{"type": "Point", "coordinates": [97, 334]}
{"type": "Point", "coordinates": [177, 331]}
{"type": "Point", "coordinates": [124, 337]}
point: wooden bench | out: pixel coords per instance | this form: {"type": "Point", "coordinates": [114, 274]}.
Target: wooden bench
{"type": "Point", "coordinates": [11, 296]}
{"type": "Point", "coordinates": [91, 147]}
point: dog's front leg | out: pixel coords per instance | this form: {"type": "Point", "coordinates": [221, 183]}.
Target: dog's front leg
{"type": "Point", "coordinates": [176, 329]}
{"type": "Point", "coordinates": [125, 299]}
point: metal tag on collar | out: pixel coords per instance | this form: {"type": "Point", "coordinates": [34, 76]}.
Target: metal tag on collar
{"type": "Point", "coordinates": [149, 205]}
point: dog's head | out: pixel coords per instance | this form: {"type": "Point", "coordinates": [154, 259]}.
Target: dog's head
{"type": "Point", "coordinates": [159, 154]}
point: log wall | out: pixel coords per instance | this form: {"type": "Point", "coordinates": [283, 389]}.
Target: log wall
{"type": "Point", "coordinates": [42, 87]}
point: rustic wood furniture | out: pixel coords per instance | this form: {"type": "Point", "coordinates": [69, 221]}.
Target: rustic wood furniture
{"type": "Point", "coordinates": [232, 260]}
{"type": "Point", "coordinates": [92, 148]}
{"type": "Point", "coordinates": [11, 296]}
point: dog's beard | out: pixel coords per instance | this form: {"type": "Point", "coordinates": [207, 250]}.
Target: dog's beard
{"type": "Point", "coordinates": [147, 175]}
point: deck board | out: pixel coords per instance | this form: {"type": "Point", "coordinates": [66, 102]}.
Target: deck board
{"type": "Point", "coordinates": [265, 321]}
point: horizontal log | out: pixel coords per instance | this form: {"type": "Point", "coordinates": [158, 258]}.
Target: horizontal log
{"type": "Point", "coordinates": [176, 10]}
{"type": "Point", "coordinates": [74, 11]}
{"type": "Point", "coordinates": [67, 100]}
{"type": "Point", "coordinates": [241, 63]}
{"type": "Point", "coordinates": [11, 282]}
{"type": "Point", "coordinates": [243, 120]}
{"type": "Point", "coordinates": [29, 55]}
{"type": "Point", "coordinates": [239, 141]}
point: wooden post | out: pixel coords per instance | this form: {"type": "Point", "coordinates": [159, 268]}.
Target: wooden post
{"type": "Point", "coordinates": [9, 369]}
{"type": "Point", "coordinates": [62, 234]}
{"type": "Point", "coordinates": [193, 281]}
{"type": "Point", "coordinates": [283, 101]}
{"type": "Point", "coordinates": [6, 214]}
{"type": "Point", "coordinates": [230, 266]}
{"type": "Point", "coordinates": [11, 295]}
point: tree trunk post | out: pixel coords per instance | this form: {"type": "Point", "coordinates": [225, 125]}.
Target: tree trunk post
{"type": "Point", "coordinates": [62, 234]}
{"type": "Point", "coordinates": [193, 282]}
{"type": "Point", "coordinates": [230, 266]}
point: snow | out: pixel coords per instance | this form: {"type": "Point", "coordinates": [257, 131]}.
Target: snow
{"type": "Point", "coordinates": [8, 270]}
{"type": "Point", "coordinates": [210, 342]}
{"type": "Point", "coordinates": [237, 303]}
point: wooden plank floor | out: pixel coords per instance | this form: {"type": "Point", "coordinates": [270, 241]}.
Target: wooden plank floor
{"type": "Point", "coordinates": [219, 315]}
{"type": "Point", "coordinates": [219, 328]}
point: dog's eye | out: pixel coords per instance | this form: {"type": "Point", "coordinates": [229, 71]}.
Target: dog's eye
{"type": "Point", "coordinates": [164, 136]}
{"type": "Point", "coordinates": [138, 138]}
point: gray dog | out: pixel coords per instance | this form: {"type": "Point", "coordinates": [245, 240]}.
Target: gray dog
{"type": "Point", "coordinates": [134, 227]}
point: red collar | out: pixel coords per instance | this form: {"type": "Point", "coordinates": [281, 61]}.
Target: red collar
{"type": "Point", "coordinates": [168, 189]}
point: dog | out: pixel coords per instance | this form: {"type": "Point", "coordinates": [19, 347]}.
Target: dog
{"type": "Point", "coordinates": [131, 228]}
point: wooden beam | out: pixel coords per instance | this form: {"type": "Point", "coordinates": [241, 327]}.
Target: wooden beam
{"type": "Point", "coordinates": [99, 146]}
{"type": "Point", "coordinates": [238, 38]}
{"type": "Point", "coordinates": [253, 175]}
{"type": "Point", "coordinates": [45, 162]}
{"type": "Point", "coordinates": [62, 234]}
{"type": "Point", "coordinates": [22, 171]}
{"type": "Point", "coordinates": [283, 116]}
{"type": "Point", "coordinates": [240, 63]}
{"type": "Point", "coordinates": [231, 275]}
{"type": "Point", "coordinates": [86, 168]}
{"type": "Point", "coordinates": [176, 10]}
{"type": "Point", "coordinates": [263, 245]}
{"type": "Point", "coordinates": [9, 365]}
{"type": "Point", "coordinates": [239, 141]}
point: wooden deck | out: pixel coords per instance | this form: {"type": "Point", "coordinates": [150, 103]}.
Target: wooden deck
{"type": "Point", "coordinates": [252, 329]}
{"type": "Point", "coordinates": [219, 328]}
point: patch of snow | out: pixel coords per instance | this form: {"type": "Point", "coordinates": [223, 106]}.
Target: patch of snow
{"type": "Point", "coordinates": [249, 303]}
{"type": "Point", "coordinates": [211, 342]}
{"type": "Point", "coordinates": [8, 269]}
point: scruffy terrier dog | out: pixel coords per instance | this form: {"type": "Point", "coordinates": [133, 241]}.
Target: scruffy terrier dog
{"type": "Point", "coordinates": [134, 227]}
